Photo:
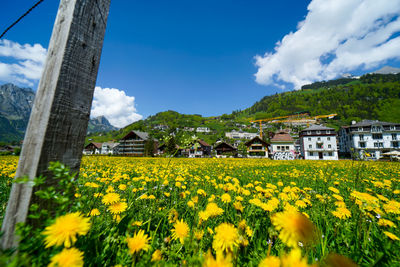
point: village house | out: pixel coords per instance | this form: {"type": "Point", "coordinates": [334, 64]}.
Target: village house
{"type": "Point", "coordinates": [369, 138]}
{"type": "Point", "coordinates": [109, 148]}
{"type": "Point", "coordinates": [224, 149]}
{"type": "Point", "coordinates": [240, 135]}
{"type": "Point", "coordinates": [257, 148]}
{"type": "Point", "coordinates": [92, 149]}
{"type": "Point", "coordinates": [199, 149]}
{"type": "Point", "coordinates": [203, 130]}
{"type": "Point", "coordinates": [161, 127]}
{"type": "Point", "coordinates": [318, 143]}
{"type": "Point", "coordinates": [133, 144]}
{"type": "Point", "coordinates": [283, 144]}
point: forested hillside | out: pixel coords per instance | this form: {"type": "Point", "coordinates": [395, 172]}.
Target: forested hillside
{"type": "Point", "coordinates": [373, 96]}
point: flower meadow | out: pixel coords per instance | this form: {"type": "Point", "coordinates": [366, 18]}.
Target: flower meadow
{"type": "Point", "coordinates": [212, 212]}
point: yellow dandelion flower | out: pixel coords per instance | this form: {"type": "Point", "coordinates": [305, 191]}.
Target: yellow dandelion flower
{"type": "Point", "coordinates": [65, 229]}
{"type": "Point", "coordinates": [219, 261]}
{"type": "Point", "coordinates": [270, 261]}
{"type": "Point", "coordinates": [294, 227]}
{"type": "Point", "coordinates": [213, 210]}
{"type": "Point", "coordinates": [341, 213]}
{"type": "Point", "coordinates": [167, 194]}
{"type": "Point", "coordinates": [94, 212]}
{"type": "Point", "coordinates": [334, 190]}
{"type": "Point", "coordinates": [226, 198]}
{"type": "Point", "coordinates": [180, 231]}
{"type": "Point", "coordinates": [67, 258]}
{"type": "Point", "coordinates": [110, 198]}
{"type": "Point", "coordinates": [301, 204]}
{"type": "Point", "coordinates": [242, 224]}
{"type": "Point", "coordinates": [173, 216]}
{"type": "Point", "coordinates": [238, 206]}
{"type": "Point", "coordinates": [391, 236]}
{"type": "Point", "coordinates": [226, 238]}
{"type": "Point", "coordinates": [198, 234]}
{"type": "Point", "coordinates": [190, 204]}
{"type": "Point", "coordinates": [138, 242]}
{"type": "Point", "coordinates": [118, 207]}
{"type": "Point", "coordinates": [122, 187]}
{"type": "Point", "coordinates": [156, 256]}
{"type": "Point", "coordinates": [137, 223]}
{"type": "Point", "coordinates": [294, 259]}
{"type": "Point", "coordinates": [384, 222]}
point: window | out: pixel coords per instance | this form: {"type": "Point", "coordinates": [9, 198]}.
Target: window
{"type": "Point", "coordinates": [329, 139]}
{"type": "Point", "coordinates": [319, 139]}
{"type": "Point", "coordinates": [361, 137]}
{"type": "Point", "coordinates": [287, 148]}
{"type": "Point", "coordinates": [378, 144]}
{"type": "Point", "coordinates": [309, 146]}
{"type": "Point", "coordinates": [330, 154]}
{"type": "Point", "coordinates": [329, 146]}
{"type": "Point", "coordinates": [309, 138]}
{"type": "Point", "coordinates": [362, 144]}
{"type": "Point", "coordinates": [376, 136]}
{"type": "Point", "coordinates": [278, 148]}
{"type": "Point", "coordinates": [328, 132]}
{"type": "Point", "coordinates": [360, 129]}
{"type": "Point", "coordinates": [311, 153]}
{"type": "Point", "coordinates": [394, 136]}
{"type": "Point", "coordinates": [318, 132]}
{"type": "Point", "coordinates": [392, 127]}
{"type": "Point", "coordinates": [396, 144]}
{"type": "Point", "coordinates": [319, 146]}
{"type": "Point", "coordinates": [376, 129]}
{"type": "Point", "coordinates": [308, 132]}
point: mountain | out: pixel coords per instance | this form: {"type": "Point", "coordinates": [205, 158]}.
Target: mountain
{"type": "Point", "coordinates": [100, 124]}
{"type": "Point", "coordinates": [387, 70]}
{"type": "Point", "coordinates": [15, 108]}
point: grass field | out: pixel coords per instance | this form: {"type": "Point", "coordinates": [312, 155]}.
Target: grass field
{"type": "Point", "coordinates": [215, 212]}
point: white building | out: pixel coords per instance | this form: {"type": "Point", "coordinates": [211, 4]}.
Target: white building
{"type": "Point", "coordinates": [240, 135]}
{"type": "Point", "coordinates": [282, 146]}
{"type": "Point", "coordinates": [318, 142]}
{"type": "Point", "coordinates": [109, 148]}
{"type": "Point", "coordinates": [369, 138]}
{"type": "Point", "coordinates": [203, 130]}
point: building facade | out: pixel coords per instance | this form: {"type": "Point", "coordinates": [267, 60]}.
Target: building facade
{"type": "Point", "coordinates": [257, 148]}
{"type": "Point", "coordinates": [240, 135]}
{"type": "Point", "coordinates": [133, 144]}
{"type": "Point", "coordinates": [318, 142]}
{"type": "Point", "coordinates": [369, 139]}
{"type": "Point", "coordinates": [282, 146]}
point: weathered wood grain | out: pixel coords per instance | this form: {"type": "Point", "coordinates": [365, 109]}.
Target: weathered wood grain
{"type": "Point", "coordinates": [60, 115]}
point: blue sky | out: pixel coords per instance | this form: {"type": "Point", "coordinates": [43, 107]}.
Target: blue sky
{"type": "Point", "coordinates": [213, 57]}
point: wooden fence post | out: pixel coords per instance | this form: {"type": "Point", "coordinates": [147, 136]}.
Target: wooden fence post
{"type": "Point", "coordinates": [59, 119]}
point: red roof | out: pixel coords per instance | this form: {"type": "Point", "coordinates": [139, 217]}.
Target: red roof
{"type": "Point", "coordinates": [282, 137]}
{"type": "Point", "coordinates": [201, 142]}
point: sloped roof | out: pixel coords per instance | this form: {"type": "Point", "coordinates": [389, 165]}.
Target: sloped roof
{"type": "Point", "coordinates": [142, 135]}
{"type": "Point", "coordinates": [254, 139]}
{"type": "Point", "coordinates": [316, 127]}
{"type": "Point", "coordinates": [201, 142]}
{"type": "Point", "coordinates": [372, 122]}
{"type": "Point", "coordinates": [226, 144]}
{"type": "Point", "coordinates": [282, 136]}
{"type": "Point", "coordinates": [97, 145]}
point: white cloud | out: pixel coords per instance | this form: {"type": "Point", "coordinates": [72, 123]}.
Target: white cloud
{"type": "Point", "coordinates": [28, 61]}
{"type": "Point", "coordinates": [115, 105]}
{"type": "Point", "coordinates": [337, 36]}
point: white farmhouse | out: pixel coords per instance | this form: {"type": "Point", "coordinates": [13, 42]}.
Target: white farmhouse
{"type": "Point", "coordinates": [240, 135]}
{"type": "Point", "coordinates": [369, 138]}
{"type": "Point", "coordinates": [203, 130]}
{"type": "Point", "coordinates": [318, 142]}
